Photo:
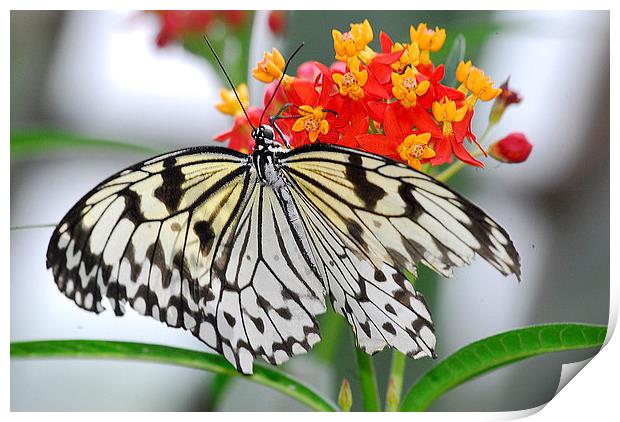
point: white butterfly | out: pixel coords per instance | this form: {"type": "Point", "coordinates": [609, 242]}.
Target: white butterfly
{"type": "Point", "coordinates": [241, 250]}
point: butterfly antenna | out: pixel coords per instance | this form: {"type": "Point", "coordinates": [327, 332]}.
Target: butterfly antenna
{"type": "Point", "coordinates": [229, 81]}
{"type": "Point", "coordinates": [280, 81]}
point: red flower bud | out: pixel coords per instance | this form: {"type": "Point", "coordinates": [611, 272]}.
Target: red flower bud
{"type": "Point", "coordinates": [514, 148]}
{"type": "Point", "coordinates": [277, 22]}
{"type": "Point", "coordinates": [506, 98]}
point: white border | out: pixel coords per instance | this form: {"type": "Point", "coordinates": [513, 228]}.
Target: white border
{"type": "Point", "coordinates": [593, 392]}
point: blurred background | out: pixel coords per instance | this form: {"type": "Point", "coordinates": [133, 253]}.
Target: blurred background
{"type": "Point", "coordinates": [117, 76]}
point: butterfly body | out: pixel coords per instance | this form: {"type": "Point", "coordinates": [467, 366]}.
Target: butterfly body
{"type": "Point", "coordinates": [242, 250]}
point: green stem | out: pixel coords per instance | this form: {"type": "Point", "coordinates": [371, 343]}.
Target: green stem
{"type": "Point", "coordinates": [219, 385]}
{"type": "Point", "coordinates": [397, 373]}
{"type": "Point", "coordinates": [456, 167]}
{"type": "Point", "coordinates": [174, 356]}
{"type": "Point", "coordinates": [368, 381]}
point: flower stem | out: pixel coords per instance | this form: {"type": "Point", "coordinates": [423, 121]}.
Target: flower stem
{"type": "Point", "coordinates": [219, 386]}
{"type": "Point", "coordinates": [397, 372]}
{"type": "Point", "coordinates": [456, 167]}
{"type": "Point", "coordinates": [368, 382]}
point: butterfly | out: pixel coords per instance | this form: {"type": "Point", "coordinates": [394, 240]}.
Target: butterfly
{"type": "Point", "coordinates": [242, 250]}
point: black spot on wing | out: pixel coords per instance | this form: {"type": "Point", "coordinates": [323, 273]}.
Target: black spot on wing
{"type": "Point", "coordinates": [132, 209]}
{"type": "Point", "coordinates": [230, 319]}
{"type": "Point", "coordinates": [205, 235]}
{"type": "Point", "coordinates": [367, 191]}
{"type": "Point", "coordinates": [170, 191]}
{"type": "Point", "coordinates": [389, 328]}
{"type": "Point", "coordinates": [413, 209]}
{"type": "Point", "coordinates": [357, 232]}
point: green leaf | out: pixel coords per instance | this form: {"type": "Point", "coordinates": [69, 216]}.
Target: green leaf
{"type": "Point", "coordinates": [455, 56]}
{"type": "Point", "coordinates": [38, 141]}
{"type": "Point", "coordinates": [496, 351]}
{"type": "Point", "coordinates": [173, 356]}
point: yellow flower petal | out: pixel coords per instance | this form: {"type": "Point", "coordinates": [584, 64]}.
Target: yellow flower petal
{"type": "Point", "coordinates": [299, 125]}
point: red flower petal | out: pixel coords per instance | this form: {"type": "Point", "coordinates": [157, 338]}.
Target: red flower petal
{"type": "Point", "coordinates": [386, 42]}
{"type": "Point", "coordinates": [377, 144]}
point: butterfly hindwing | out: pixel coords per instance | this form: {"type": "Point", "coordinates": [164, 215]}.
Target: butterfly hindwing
{"type": "Point", "coordinates": [265, 294]}
{"type": "Point", "coordinates": [376, 299]}
{"type": "Point", "coordinates": [369, 219]}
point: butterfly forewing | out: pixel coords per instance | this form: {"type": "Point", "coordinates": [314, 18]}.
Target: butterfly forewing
{"type": "Point", "coordinates": [396, 214]}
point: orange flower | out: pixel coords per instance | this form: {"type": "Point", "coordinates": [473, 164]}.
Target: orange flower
{"type": "Point", "coordinates": [406, 88]}
{"type": "Point", "coordinates": [414, 148]}
{"type": "Point", "coordinates": [270, 67]}
{"type": "Point", "coordinates": [427, 40]}
{"type": "Point", "coordinates": [352, 82]}
{"type": "Point", "coordinates": [445, 112]}
{"type": "Point", "coordinates": [230, 105]}
{"type": "Point", "coordinates": [475, 81]}
{"type": "Point", "coordinates": [313, 120]}
{"type": "Point", "coordinates": [354, 43]}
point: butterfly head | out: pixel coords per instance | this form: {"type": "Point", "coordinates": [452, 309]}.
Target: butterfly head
{"type": "Point", "coordinates": [265, 138]}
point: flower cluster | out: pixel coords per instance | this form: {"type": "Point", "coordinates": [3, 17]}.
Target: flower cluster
{"type": "Point", "coordinates": [390, 102]}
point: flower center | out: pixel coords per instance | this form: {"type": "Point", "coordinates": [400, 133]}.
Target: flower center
{"type": "Point", "coordinates": [347, 36]}
{"type": "Point", "coordinates": [349, 79]}
{"type": "Point", "coordinates": [417, 151]}
{"type": "Point", "coordinates": [311, 124]}
{"type": "Point", "coordinates": [409, 83]}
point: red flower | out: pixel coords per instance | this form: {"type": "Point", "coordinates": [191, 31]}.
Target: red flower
{"type": "Point", "coordinates": [304, 93]}
{"type": "Point", "coordinates": [235, 18]}
{"type": "Point", "coordinates": [240, 136]}
{"type": "Point", "coordinates": [448, 139]}
{"type": "Point", "coordinates": [514, 148]}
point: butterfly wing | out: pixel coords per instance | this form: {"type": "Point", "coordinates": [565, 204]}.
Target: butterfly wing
{"type": "Point", "coordinates": [191, 239]}
{"type": "Point", "coordinates": [370, 218]}
{"type": "Point", "coordinates": [396, 213]}
{"type": "Point", "coordinates": [133, 238]}
{"type": "Point", "coordinates": [265, 293]}
{"type": "Point", "coordinates": [377, 300]}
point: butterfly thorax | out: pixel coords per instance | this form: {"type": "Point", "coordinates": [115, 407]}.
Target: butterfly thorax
{"type": "Point", "coordinates": [265, 155]}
